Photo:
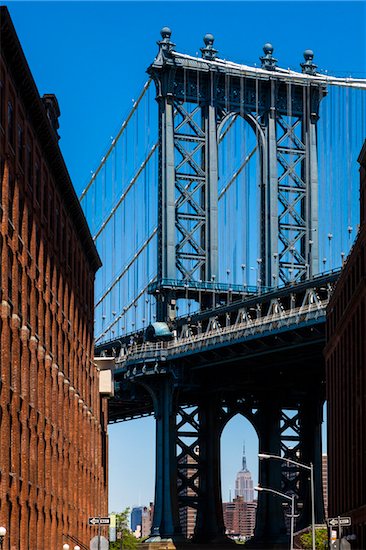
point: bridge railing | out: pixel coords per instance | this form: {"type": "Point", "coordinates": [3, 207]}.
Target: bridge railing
{"type": "Point", "coordinates": [221, 334]}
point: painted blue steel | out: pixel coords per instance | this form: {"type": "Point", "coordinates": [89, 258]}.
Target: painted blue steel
{"type": "Point", "coordinates": [204, 285]}
{"type": "Point", "coordinates": [168, 355]}
{"type": "Point", "coordinates": [197, 100]}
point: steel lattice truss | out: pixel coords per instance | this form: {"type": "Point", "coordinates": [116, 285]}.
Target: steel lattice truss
{"type": "Point", "coordinates": [188, 466]}
{"type": "Point", "coordinates": [292, 190]}
{"type": "Point", "coordinates": [190, 177]}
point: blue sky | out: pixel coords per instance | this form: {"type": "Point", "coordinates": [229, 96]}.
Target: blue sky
{"type": "Point", "coordinates": [93, 56]}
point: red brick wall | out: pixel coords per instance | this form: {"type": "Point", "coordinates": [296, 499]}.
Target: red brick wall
{"type": "Point", "coordinates": [53, 459]}
{"type": "Point", "coordinates": [345, 355]}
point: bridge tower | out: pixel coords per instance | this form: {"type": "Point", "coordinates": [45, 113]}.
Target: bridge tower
{"type": "Point", "coordinates": [277, 385]}
{"type": "Point", "coordinates": [196, 97]}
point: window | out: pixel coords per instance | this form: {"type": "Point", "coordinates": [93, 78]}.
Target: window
{"type": "Point", "coordinates": [20, 275]}
{"type": "Point", "coordinates": [29, 291]}
{"type": "Point", "coordinates": [2, 103]}
{"type": "Point", "coordinates": [20, 145]}
{"type": "Point", "coordinates": [11, 197]}
{"type": "Point", "coordinates": [37, 171]}
{"type": "Point", "coordinates": [30, 227]}
{"type": "Point", "coordinates": [30, 164]}
{"type": "Point", "coordinates": [56, 224]}
{"type": "Point", "coordinates": [2, 166]}
{"type": "Point", "coordinates": [11, 123]}
{"type": "Point", "coordinates": [1, 265]}
{"type": "Point", "coordinates": [38, 244]}
{"type": "Point", "coordinates": [36, 322]}
{"type": "Point", "coordinates": [46, 200]}
{"type": "Point", "coordinates": [20, 215]}
{"type": "Point", "coordinates": [10, 275]}
{"type": "Point", "coordinates": [52, 212]}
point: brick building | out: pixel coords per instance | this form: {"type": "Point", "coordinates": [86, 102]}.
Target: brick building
{"type": "Point", "coordinates": [53, 424]}
{"type": "Point", "coordinates": [239, 517]}
{"type": "Point", "coordinates": [345, 355]}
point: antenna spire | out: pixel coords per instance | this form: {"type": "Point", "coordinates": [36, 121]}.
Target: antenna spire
{"type": "Point", "coordinates": [244, 458]}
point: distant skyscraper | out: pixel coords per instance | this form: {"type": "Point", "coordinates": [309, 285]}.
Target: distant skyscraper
{"type": "Point", "coordinates": [244, 482]}
{"type": "Point", "coordinates": [136, 517]}
{"type": "Point", "coordinates": [141, 519]}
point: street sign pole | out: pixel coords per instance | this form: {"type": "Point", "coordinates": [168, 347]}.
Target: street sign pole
{"type": "Point", "coordinates": [340, 532]}
{"type": "Point", "coordinates": [99, 528]}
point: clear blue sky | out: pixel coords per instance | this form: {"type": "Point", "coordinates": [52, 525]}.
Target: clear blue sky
{"type": "Point", "coordinates": [93, 56]}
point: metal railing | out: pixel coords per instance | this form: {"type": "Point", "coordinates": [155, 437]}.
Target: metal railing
{"type": "Point", "coordinates": [221, 334]}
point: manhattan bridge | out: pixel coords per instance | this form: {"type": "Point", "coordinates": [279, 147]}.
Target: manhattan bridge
{"type": "Point", "coordinates": [223, 211]}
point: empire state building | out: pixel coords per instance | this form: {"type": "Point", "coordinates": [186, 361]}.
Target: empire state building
{"type": "Point", "coordinates": [244, 482]}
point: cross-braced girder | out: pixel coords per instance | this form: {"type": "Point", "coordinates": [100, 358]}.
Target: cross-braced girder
{"type": "Point", "coordinates": [292, 190]}
{"type": "Point", "coordinates": [190, 181]}
{"type": "Point", "coordinates": [188, 465]}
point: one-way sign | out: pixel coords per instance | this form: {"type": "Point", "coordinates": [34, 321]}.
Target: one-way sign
{"type": "Point", "coordinates": [99, 521]}
{"type": "Point", "coordinates": [334, 522]}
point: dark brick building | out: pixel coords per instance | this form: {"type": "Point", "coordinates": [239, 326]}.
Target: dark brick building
{"type": "Point", "coordinates": [345, 355]}
{"type": "Point", "coordinates": [53, 440]}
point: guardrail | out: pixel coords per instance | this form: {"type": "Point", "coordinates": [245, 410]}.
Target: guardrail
{"type": "Point", "coordinates": [228, 333]}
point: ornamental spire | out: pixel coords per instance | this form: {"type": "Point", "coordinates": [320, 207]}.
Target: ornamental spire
{"type": "Point", "coordinates": [209, 52]}
{"type": "Point", "coordinates": [166, 46]}
{"type": "Point", "coordinates": [308, 67]}
{"type": "Point", "coordinates": [268, 61]}
{"type": "Point", "coordinates": [244, 458]}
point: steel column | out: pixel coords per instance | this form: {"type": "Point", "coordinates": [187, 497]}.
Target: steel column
{"type": "Point", "coordinates": [166, 520]}
{"type": "Point", "coordinates": [311, 418]}
{"type": "Point", "coordinates": [166, 213]}
{"type": "Point", "coordinates": [310, 140]}
{"type": "Point", "coordinates": [269, 203]}
{"type": "Point", "coordinates": [211, 191]}
{"type": "Point", "coordinates": [209, 524]}
{"type": "Point", "coordinates": [270, 525]}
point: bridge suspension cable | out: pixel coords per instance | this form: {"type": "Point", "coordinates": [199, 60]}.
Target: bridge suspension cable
{"type": "Point", "coordinates": [114, 141]}
{"type": "Point", "coordinates": [121, 199]}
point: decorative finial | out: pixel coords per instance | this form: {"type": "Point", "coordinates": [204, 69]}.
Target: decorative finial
{"type": "Point", "coordinates": [308, 67]}
{"type": "Point", "coordinates": [209, 51]}
{"type": "Point", "coordinates": [268, 61]}
{"type": "Point", "coordinates": [166, 45]}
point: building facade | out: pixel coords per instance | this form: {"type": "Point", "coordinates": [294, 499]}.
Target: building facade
{"type": "Point", "coordinates": [345, 355]}
{"type": "Point", "coordinates": [141, 520]}
{"type": "Point", "coordinates": [53, 423]}
{"type": "Point", "coordinates": [239, 518]}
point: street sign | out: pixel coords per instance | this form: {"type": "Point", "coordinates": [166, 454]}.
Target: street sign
{"type": "Point", "coordinates": [102, 544]}
{"type": "Point", "coordinates": [99, 521]}
{"type": "Point", "coordinates": [343, 522]}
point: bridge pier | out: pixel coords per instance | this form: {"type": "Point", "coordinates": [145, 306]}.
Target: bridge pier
{"type": "Point", "coordinates": [270, 526]}
{"type": "Point", "coordinates": [311, 417]}
{"type": "Point", "coordinates": [209, 523]}
{"type": "Point", "coordinates": [166, 518]}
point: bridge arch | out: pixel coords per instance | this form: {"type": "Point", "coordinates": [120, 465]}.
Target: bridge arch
{"type": "Point", "coordinates": [241, 145]}
{"type": "Point", "coordinates": [238, 436]}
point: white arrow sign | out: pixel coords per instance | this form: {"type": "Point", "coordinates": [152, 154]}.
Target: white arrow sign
{"type": "Point", "coordinates": [339, 521]}
{"type": "Point", "coordinates": [99, 521]}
